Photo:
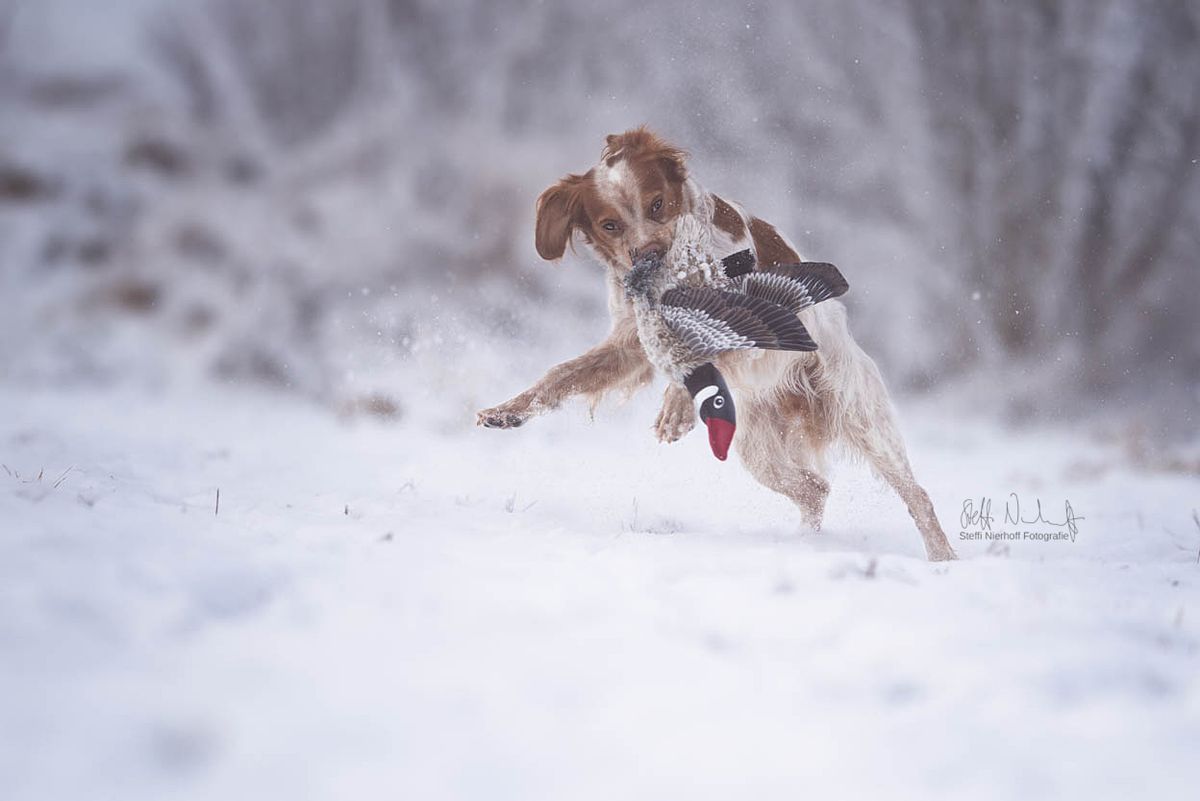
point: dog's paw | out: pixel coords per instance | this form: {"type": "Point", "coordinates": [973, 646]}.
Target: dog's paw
{"type": "Point", "coordinates": [506, 415]}
{"type": "Point", "coordinates": [941, 553]}
{"type": "Point", "coordinates": [677, 416]}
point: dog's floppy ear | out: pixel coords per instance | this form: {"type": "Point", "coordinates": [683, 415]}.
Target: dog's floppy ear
{"type": "Point", "coordinates": [559, 212]}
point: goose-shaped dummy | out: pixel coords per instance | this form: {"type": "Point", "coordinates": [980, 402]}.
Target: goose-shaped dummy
{"type": "Point", "coordinates": [690, 308]}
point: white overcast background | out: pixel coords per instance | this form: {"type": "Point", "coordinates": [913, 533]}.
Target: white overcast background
{"type": "Point", "coordinates": [282, 250]}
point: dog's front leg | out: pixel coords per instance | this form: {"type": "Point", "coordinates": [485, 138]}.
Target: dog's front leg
{"type": "Point", "coordinates": [677, 415]}
{"type": "Point", "coordinates": [617, 362]}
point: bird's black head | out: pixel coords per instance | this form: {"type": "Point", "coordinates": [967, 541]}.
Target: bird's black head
{"type": "Point", "coordinates": [719, 404]}
{"type": "Point", "coordinates": [707, 385]}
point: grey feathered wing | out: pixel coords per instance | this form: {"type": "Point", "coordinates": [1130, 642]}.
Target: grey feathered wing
{"type": "Point", "coordinates": [712, 321]}
{"type": "Point", "coordinates": [793, 286]}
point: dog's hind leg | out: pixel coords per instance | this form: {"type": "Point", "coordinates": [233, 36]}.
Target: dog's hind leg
{"type": "Point", "coordinates": [780, 452]}
{"type": "Point", "coordinates": [869, 427]}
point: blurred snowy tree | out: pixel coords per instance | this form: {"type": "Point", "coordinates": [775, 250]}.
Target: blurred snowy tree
{"type": "Point", "coordinates": [1011, 187]}
{"type": "Point", "coordinates": [1068, 135]}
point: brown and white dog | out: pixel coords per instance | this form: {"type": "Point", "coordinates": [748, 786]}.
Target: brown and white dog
{"type": "Point", "coordinates": [791, 406]}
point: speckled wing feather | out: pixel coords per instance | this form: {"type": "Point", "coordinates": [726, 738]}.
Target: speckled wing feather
{"type": "Point", "coordinates": [710, 321]}
{"type": "Point", "coordinates": [794, 286]}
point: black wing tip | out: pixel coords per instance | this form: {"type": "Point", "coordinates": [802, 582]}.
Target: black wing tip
{"type": "Point", "coordinates": [797, 339]}
{"type": "Point", "coordinates": [792, 343]}
{"type": "Point", "coordinates": [835, 283]}
{"type": "Point", "coordinates": [739, 263]}
{"type": "Point", "coordinates": [785, 327]}
{"type": "Point", "coordinates": [826, 277]}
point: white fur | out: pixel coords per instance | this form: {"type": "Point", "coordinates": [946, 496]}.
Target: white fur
{"type": "Point", "coordinates": [613, 184]}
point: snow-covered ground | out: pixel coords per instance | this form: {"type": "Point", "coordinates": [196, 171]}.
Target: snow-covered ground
{"type": "Point", "coordinates": [426, 610]}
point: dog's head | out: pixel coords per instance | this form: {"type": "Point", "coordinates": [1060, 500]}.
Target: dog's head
{"type": "Point", "coordinates": [625, 207]}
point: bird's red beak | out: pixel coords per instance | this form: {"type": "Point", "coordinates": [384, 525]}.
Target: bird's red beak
{"type": "Point", "coordinates": [720, 434]}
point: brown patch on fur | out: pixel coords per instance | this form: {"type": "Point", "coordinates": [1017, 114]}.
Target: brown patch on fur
{"type": "Point", "coordinates": [769, 246]}
{"type": "Point", "coordinates": [727, 219]}
{"type": "Point", "coordinates": [641, 145]}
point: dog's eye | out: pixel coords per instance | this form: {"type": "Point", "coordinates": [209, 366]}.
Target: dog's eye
{"type": "Point", "coordinates": [609, 225]}
{"type": "Point", "coordinates": [656, 206]}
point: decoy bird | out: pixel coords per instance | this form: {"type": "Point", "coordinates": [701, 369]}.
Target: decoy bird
{"type": "Point", "coordinates": [690, 308]}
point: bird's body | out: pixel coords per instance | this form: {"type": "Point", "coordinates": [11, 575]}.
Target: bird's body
{"type": "Point", "coordinates": [691, 307]}
{"type": "Point", "coordinates": [689, 265]}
